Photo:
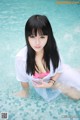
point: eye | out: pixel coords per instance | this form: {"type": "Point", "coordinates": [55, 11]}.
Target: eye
{"type": "Point", "coordinates": [32, 36]}
{"type": "Point", "coordinates": [42, 37]}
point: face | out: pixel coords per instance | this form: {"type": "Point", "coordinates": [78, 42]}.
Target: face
{"type": "Point", "coordinates": [38, 42]}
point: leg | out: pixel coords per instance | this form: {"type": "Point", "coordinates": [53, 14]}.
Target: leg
{"type": "Point", "coordinates": [69, 82]}
{"type": "Point", "coordinates": [69, 91]}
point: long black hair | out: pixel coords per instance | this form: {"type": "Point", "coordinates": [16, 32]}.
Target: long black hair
{"type": "Point", "coordinates": [41, 23]}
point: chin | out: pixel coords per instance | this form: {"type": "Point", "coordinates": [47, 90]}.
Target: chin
{"type": "Point", "coordinates": [38, 50]}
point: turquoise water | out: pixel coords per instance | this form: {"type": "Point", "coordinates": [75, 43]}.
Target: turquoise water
{"type": "Point", "coordinates": [65, 21]}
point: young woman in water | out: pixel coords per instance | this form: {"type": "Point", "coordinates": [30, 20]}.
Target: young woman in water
{"type": "Point", "coordinates": [39, 63]}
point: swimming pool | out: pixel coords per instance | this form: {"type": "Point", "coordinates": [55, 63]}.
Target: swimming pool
{"type": "Point", "coordinates": [66, 27]}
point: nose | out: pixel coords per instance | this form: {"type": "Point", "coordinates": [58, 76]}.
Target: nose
{"type": "Point", "coordinates": [37, 40]}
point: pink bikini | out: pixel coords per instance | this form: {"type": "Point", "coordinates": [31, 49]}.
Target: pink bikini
{"type": "Point", "coordinates": [40, 75]}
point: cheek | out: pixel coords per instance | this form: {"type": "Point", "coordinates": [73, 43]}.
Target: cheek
{"type": "Point", "coordinates": [44, 42]}
{"type": "Point", "coordinates": [31, 43]}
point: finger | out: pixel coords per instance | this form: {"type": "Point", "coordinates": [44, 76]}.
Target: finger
{"type": "Point", "coordinates": [41, 80]}
{"type": "Point", "coordinates": [34, 84]}
{"type": "Point", "coordinates": [39, 86]}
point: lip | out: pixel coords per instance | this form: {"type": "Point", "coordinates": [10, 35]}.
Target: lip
{"type": "Point", "coordinates": [37, 46]}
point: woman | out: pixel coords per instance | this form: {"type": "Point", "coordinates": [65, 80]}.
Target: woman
{"type": "Point", "coordinates": [39, 63]}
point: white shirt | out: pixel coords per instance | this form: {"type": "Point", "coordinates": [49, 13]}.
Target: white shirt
{"type": "Point", "coordinates": [21, 75]}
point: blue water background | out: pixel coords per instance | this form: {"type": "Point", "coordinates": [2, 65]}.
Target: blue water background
{"type": "Point", "coordinates": [65, 21]}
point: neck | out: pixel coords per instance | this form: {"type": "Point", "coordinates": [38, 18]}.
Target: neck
{"type": "Point", "coordinates": [40, 54]}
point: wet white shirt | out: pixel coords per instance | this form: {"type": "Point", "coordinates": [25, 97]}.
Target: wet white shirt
{"type": "Point", "coordinates": [21, 75]}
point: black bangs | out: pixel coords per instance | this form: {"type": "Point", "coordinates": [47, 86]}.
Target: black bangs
{"type": "Point", "coordinates": [37, 24]}
{"type": "Point", "coordinates": [40, 31]}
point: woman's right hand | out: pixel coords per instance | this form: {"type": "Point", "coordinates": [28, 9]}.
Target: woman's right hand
{"type": "Point", "coordinates": [22, 94]}
{"type": "Point", "coordinates": [25, 91]}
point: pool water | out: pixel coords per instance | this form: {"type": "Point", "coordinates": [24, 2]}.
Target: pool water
{"type": "Point", "coordinates": [65, 21]}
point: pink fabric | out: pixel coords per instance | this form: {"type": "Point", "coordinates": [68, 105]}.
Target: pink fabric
{"type": "Point", "coordinates": [40, 75]}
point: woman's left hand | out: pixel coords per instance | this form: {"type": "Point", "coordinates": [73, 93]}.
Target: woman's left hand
{"type": "Point", "coordinates": [42, 85]}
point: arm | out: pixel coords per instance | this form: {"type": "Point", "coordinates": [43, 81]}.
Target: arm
{"type": "Point", "coordinates": [49, 84]}
{"type": "Point", "coordinates": [54, 79]}
{"type": "Point", "coordinates": [21, 76]}
{"type": "Point", "coordinates": [25, 90]}
{"type": "Point", "coordinates": [56, 76]}
{"type": "Point", "coordinates": [59, 71]}
{"type": "Point", "coordinates": [25, 87]}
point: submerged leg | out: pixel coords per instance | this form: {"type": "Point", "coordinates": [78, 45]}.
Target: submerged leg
{"type": "Point", "coordinates": [69, 82]}
{"type": "Point", "coordinates": [67, 90]}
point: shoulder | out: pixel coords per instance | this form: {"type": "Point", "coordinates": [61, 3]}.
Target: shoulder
{"type": "Point", "coordinates": [22, 53]}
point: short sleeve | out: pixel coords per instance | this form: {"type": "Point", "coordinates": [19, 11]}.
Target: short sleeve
{"type": "Point", "coordinates": [59, 69]}
{"type": "Point", "coordinates": [20, 68]}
